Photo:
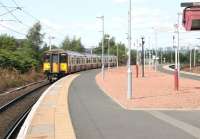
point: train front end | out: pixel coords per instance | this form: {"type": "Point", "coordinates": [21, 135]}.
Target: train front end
{"type": "Point", "coordinates": [55, 64]}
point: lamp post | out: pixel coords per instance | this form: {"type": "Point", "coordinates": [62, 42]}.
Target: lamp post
{"type": "Point", "coordinates": [177, 57]}
{"type": "Point", "coordinates": [161, 56]}
{"type": "Point", "coordinates": [143, 56]}
{"type": "Point", "coordinates": [102, 57]}
{"type": "Point", "coordinates": [149, 53]}
{"type": "Point", "coordinates": [129, 92]}
{"type": "Point", "coordinates": [50, 41]}
{"type": "Point", "coordinates": [156, 43]}
{"type": "Point", "coordinates": [178, 48]}
{"type": "Point", "coordinates": [173, 47]}
{"type": "Point", "coordinates": [194, 57]}
{"type": "Point", "coordinates": [117, 56]}
{"type": "Point", "coordinates": [137, 54]}
{"type": "Point", "coordinates": [108, 38]}
{"type": "Point", "coordinates": [190, 59]}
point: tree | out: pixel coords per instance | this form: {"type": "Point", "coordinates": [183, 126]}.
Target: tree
{"type": "Point", "coordinates": [22, 54]}
{"type": "Point", "coordinates": [113, 49]}
{"type": "Point", "coordinates": [35, 37]}
{"type": "Point", "coordinates": [66, 44]}
{"type": "Point", "coordinates": [73, 45]}
{"type": "Point", "coordinates": [8, 42]}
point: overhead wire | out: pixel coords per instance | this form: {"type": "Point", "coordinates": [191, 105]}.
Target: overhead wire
{"type": "Point", "coordinates": [15, 17]}
{"type": "Point", "coordinates": [8, 12]}
{"type": "Point", "coordinates": [13, 30]}
{"type": "Point", "coordinates": [18, 7]}
{"type": "Point", "coordinates": [35, 18]}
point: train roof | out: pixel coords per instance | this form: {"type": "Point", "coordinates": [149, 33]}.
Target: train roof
{"type": "Point", "coordinates": [73, 53]}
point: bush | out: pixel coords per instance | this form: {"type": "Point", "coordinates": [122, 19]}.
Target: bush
{"type": "Point", "coordinates": [11, 78]}
{"type": "Point", "coordinates": [18, 60]}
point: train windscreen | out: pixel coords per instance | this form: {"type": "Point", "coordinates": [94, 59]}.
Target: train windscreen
{"type": "Point", "coordinates": [47, 58]}
{"type": "Point", "coordinates": [63, 58]}
{"type": "Point", "coordinates": [55, 58]}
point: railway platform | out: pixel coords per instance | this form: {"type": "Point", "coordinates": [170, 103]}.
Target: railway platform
{"type": "Point", "coordinates": [81, 109]}
{"type": "Point", "coordinates": [50, 118]}
{"type": "Point", "coordinates": [155, 91]}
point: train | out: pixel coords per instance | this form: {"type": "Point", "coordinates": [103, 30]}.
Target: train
{"type": "Point", "coordinates": [58, 63]}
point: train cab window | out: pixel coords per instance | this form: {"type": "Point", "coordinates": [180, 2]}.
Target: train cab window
{"type": "Point", "coordinates": [47, 58]}
{"type": "Point", "coordinates": [63, 58]}
{"type": "Point", "coordinates": [55, 58]}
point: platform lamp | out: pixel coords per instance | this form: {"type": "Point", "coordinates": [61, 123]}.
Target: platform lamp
{"type": "Point", "coordinates": [143, 55]}
{"type": "Point", "coordinates": [50, 41]}
{"type": "Point", "coordinates": [108, 41]}
{"type": "Point", "coordinates": [102, 57]}
{"type": "Point", "coordinates": [129, 90]}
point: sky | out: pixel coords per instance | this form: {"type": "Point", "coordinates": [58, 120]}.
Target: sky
{"type": "Point", "coordinates": [61, 18]}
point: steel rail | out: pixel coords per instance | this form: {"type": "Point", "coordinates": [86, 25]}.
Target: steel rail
{"type": "Point", "coordinates": [16, 124]}
{"type": "Point", "coordinates": [20, 88]}
{"type": "Point", "coordinates": [10, 103]}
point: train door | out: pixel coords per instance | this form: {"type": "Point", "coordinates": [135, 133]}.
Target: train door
{"type": "Point", "coordinates": [63, 63]}
{"type": "Point", "coordinates": [55, 63]}
{"type": "Point", "coordinates": [46, 63]}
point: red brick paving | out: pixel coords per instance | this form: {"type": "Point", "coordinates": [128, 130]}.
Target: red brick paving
{"type": "Point", "coordinates": [156, 90]}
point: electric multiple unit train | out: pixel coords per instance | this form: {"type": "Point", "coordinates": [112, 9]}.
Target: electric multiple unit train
{"type": "Point", "coordinates": [58, 63]}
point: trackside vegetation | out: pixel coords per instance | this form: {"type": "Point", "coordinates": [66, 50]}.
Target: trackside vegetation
{"type": "Point", "coordinates": [20, 59]}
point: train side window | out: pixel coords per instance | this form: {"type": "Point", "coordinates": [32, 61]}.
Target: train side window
{"type": "Point", "coordinates": [69, 60]}
{"type": "Point", "coordinates": [72, 61]}
{"type": "Point", "coordinates": [75, 61]}
{"type": "Point", "coordinates": [78, 60]}
{"type": "Point", "coordinates": [81, 60]}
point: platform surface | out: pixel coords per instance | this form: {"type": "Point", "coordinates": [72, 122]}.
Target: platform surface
{"type": "Point", "coordinates": [93, 114]}
{"type": "Point", "coordinates": [154, 91]}
{"type": "Point", "coordinates": [96, 116]}
{"type": "Point", "coordinates": [50, 117]}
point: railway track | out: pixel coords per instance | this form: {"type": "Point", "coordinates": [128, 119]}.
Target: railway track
{"type": "Point", "coordinates": [15, 108]}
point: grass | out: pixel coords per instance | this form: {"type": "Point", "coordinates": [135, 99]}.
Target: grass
{"type": "Point", "coordinates": [12, 78]}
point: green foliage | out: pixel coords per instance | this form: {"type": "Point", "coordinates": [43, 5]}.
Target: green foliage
{"type": "Point", "coordinates": [72, 44]}
{"type": "Point", "coordinates": [22, 55]}
{"type": "Point", "coordinates": [170, 56]}
{"type": "Point", "coordinates": [122, 52]}
{"type": "Point", "coordinates": [8, 42]}
{"type": "Point", "coordinates": [35, 37]}
{"type": "Point", "coordinates": [19, 60]}
{"type": "Point", "coordinates": [35, 41]}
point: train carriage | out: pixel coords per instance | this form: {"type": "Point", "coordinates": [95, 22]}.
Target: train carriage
{"type": "Point", "coordinates": [58, 63]}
